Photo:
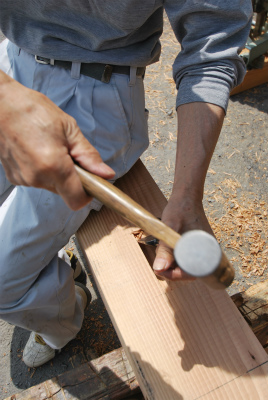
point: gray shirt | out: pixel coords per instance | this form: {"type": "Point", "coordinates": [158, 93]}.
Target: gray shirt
{"type": "Point", "coordinates": [127, 32]}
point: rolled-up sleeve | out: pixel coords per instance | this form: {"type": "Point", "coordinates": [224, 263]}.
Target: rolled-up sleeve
{"type": "Point", "coordinates": [212, 33]}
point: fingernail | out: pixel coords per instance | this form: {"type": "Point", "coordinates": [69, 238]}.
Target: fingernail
{"type": "Point", "coordinates": [159, 265]}
{"type": "Point", "coordinates": [106, 169]}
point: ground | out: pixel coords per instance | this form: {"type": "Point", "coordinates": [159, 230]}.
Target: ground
{"type": "Point", "coordinates": [235, 201]}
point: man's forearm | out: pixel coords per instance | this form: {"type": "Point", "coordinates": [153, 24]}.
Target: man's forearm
{"type": "Point", "coordinates": [199, 126]}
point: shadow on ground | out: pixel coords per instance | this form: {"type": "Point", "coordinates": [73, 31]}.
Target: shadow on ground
{"type": "Point", "coordinates": [256, 98]}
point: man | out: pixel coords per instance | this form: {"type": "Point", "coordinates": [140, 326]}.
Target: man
{"type": "Point", "coordinates": [72, 90]}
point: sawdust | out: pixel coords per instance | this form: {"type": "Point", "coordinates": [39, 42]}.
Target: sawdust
{"type": "Point", "coordinates": [242, 228]}
{"type": "Point", "coordinates": [104, 339]}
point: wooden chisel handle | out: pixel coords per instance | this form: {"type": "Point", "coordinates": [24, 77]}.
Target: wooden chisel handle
{"type": "Point", "coordinates": [118, 201]}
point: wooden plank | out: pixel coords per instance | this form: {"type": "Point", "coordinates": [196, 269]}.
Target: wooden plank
{"type": "Point", "coordinates": [253, 78]}
{"type": "Point", "coordinates": [108, 377]}
{"type": "Point", "coordinates": [253, 305]}
{"type": "Point", "coordinates": [183, 340]}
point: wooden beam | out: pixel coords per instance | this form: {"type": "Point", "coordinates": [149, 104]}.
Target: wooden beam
{"type": "Point", "coordinates": [253, 78]}
{"type": "Point", "coordinates": [183, 340]}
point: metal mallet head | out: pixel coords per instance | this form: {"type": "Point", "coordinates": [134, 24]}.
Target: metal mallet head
{"type": "Point", "coordinates": [199, 254]}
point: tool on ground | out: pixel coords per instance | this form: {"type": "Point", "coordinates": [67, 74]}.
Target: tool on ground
{"type": "Point", "coordinates": [257, 43]}
{"type": "Point", "coordinates": [196, 252]}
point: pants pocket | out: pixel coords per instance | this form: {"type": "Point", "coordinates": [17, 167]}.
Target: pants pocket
{"type": "Point", "coordinates": [111, 135]}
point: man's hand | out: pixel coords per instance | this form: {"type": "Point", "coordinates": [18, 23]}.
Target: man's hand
{"type": "Point", "coordinates": [181, 215]}
{"type": "Point", "coordinates": [199, 126]}
{"type": "Point", "coordinates": [38, 143]}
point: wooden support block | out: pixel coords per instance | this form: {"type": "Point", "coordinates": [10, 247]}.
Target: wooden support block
{"type": "Point", "coordinates": [183, 340]}
{"type": "Point", "coordinates": [108, 377]}
{"type": "Point", "coordinates": [253, 305]}
{"type": "Point", "coordinates": [253, 78]}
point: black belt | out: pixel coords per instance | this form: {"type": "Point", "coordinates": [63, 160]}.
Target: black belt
{"type": "Point", "coordinates": [101, 72]}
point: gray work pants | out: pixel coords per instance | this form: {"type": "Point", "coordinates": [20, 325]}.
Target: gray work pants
{"type": "Point", "coordinates": [36, 284]}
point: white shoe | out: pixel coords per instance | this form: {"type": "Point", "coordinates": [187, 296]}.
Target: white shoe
{"type": "Point", "coordinates": [36, 351]}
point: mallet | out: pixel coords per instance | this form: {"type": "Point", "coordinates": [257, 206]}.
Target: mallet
{"type": "Point", "coordinates": [196, 252]}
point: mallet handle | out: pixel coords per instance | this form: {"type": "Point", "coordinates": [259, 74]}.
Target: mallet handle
{"type": "Point", "coordinates": [118, 201]}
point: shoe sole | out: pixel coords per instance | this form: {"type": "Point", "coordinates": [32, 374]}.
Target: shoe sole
{"type": "Point", "coordinates": [82, 277]}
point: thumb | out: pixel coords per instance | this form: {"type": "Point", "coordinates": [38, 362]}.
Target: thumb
{"type": "Point", "coordinates": [166, 267]}
{"type": "Point", "coordinates": [164, 258]}
{"type": "Point", "coordinates": [85, 154]}
{"type": "Point", "coordinates": [89, 158]}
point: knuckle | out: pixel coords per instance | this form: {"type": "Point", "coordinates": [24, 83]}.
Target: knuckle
{"type": "Point", "coordinates": [71, 125]}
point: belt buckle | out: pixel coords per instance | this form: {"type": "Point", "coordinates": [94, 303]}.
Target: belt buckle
{"type": "Point", "coordinates": [43, 60]}
{"type": "Point", "coordinates": [107, 73]}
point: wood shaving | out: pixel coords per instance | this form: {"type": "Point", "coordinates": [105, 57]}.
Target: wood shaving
{"type": "Point", "coordinates": [138, 234]}
{"type": "Point", "coordinates": [242, 228]}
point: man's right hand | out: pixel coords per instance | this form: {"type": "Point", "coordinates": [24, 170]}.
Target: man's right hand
{"type": "Point", "coordinates": [39, 142]}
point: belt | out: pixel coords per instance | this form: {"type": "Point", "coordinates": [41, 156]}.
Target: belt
{"type": "Point", "coordinates": [101, 72]}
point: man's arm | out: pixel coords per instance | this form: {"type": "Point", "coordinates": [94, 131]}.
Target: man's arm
{"type": "Point", "coordinates": [199, 126]}
{"type": "Point", "coordinates": [211, 34]}
{"type": "Point", "coordinates": [38, 143]}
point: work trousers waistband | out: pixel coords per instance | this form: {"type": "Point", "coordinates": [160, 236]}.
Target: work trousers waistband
{"type": "Point", "coordinates": [101, 72]}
